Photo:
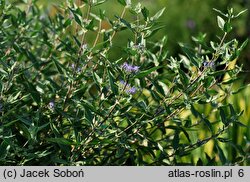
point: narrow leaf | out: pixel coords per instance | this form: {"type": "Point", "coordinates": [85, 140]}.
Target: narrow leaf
{"type": "Point", "coordinates": [122, 2]}
{"type": "Point", "coordinates": [146, 72]}
{"type": "Point", "coordinates": [157, 15]}
{"type": "Point", "coordinates": [62, 141]}
{"type": "Point", "coordinates": [221, 155]}
{"type": "Point", "coordinates": [112, 84]}
{"type": "Point", "coordinates": [145, 13]}
{"type": "Point", "coordinates": [220, 22]}
{"type": "Point", "coordinates": [223, 116]}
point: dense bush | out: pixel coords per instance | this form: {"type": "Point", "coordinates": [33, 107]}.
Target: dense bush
{"type": "Point", "coordinates": [65, 101]}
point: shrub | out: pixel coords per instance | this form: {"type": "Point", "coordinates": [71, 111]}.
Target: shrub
{"type": "Point", "coordinates": [65, 101]}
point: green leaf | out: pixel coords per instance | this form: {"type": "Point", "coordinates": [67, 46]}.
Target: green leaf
{"type": "Point", "coordinates": [185, 133]}
{"type": "Point", "coordinates": [153, 31]}
{"type": "Point", "coordinates": [220, 22]}
{"type": "Point", "coordinates": [157, 15]}
{"type": "Point", "coordinates": [184, 77]}
{"type": "Point", "coordinates": [77, 16]}
{"type": "Point", "coordinates": [25, 121]}
{"type": "Point", "coordinates": [14, 97]}
{"type": "Point", "coordinates": [58, 65]}
{"type": "Point", "coordinates": [144, 73]}
{"type": "Point", "coordinates": [210, 162]}
{"type": "Point", "coordinates": [207, 122]}
{"type": "Point", "coordinates": [221, 154]}
{"type": "Point", "coordinates": [97, 79]}
{"type": "Point", "coordinates": [126, 23]}
{"type": "Point", "coordinates": [2, 4]}
{"type": "Point", "coordinates": [33, 59]}
{"type": "Point", "coordinates": [122, 2]}
{"type": "Point", "coordinates": [232, 111]}
{"type": "Point", "coordinates": [240, 150]}
{"type": "Point", "coordinates": [62, 141]}
{"type": "Point", "coordinates": [119, 152]}
{"type": "Point", "coordinates": [188, 123]}
{"type": "Point", "coordinates": [176, 140]}
{"type": "Point", "coordinates": [199, 162]}
{"type": "Point", "coordinates": [223, 140]}
{"type": "Point", "coordinates": [227, 27]}
{"type": "Point", "coordinates": [199, 115]}
{"type": "Point", "coordinates": [4, 148]}
{"type": "Point", "coordinates": [218, 73]}
{"type": "Point", "coordinates": [220, 12]}
{"type": "Point", "coordinates": [31, 89]}
{"type": "Point", "coordinates": [67, 23]}
{"type": "Point", "coordinates": [99, 2]}
{"type": "Point", "coordinates": [159, 88]}
{"type": "Point", "coordinates": [23, 130]}
{"type": "Point", "coordinates": [156, 96]}
{"type": "Point", "coordinates": [55, 130]}
{"type": "Point", "coordinates": [145, 13]}
{"type": "Point", "coordinates": [241, 124]}
{"type": "Point", "coordinates": [243, 45]}
{"type": "Point", "coordinates": [231, 80]}
{"type": "Point", "coordinates": [223, 116]}
{"type": "Point", "coordinates": [243, 11]}
{"type": "Point", "coordinates": [88, 105]}
{"type": "Point", "coordinates": [189, 53]}
{"type": "Point", "coordinates": [89, 115]}
{"type": "Point", "coordinates": [78, 43]}
{"type": "Point", "coordinates": [91, 24]}
{"type": "Point", "coordinates": [102, 14]}
{"type": "Point", "coordinates": [160, 147]}
{"type": "Point", "coordinates": [240, 89]}
{"type": "Point", "coordinates": [113, 86]}
{"type": "Point", "coordinates": [195, 112]}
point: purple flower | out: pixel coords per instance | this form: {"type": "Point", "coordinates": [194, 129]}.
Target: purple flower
{"type": "Point", "coordinates": [123, 82]}
{"type": "Point", "coordinates": [130, 68]}
{"type": "Point", "coordinates": [52, 105]}
{"type": "Point", "coordinates": [208, 64]}
{"type": "Point", "coordinates": [78, 70]}
{"type": "Point", "coordinates": [131, 90]}
{"type": "Point", "coordinates": [128, 89]}
{"type": "Point", "coordinates": [71, 15]}
{"type": "Point", "coordinates": [73, 66]}
{"type": "Point", "coordinates": [135, 69]}
{"type": "Point", "coordinates": [191, 24]}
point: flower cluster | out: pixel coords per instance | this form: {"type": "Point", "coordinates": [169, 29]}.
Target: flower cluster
{"type": "Point", "coordinates": [128, 89]}
{"type": "Point", "coordinates": [208, 64]}
{"type": "Point", "coordinates": [130, 68]}
{"type": "Point", "coordinates": [52, 105]}
{"type": "Point", "coordinates": [78, 70]}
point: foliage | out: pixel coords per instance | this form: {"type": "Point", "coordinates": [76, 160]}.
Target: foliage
{"type": "Point", "coordinates": [65, 101]}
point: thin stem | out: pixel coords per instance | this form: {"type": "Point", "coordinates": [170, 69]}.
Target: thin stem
{"type": "Point", "coordinates": [87, 140]}
{"type": "Point", "coordinates": [111, 37]}
{"type": "Point", "coordinates": [138, 24]}
{"type": "Point", "coordinates": [122, 16]}
{"type": "Point", "coordinates": [98, 34]}
{"type": "Point", "coordinates": [77, 63]}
